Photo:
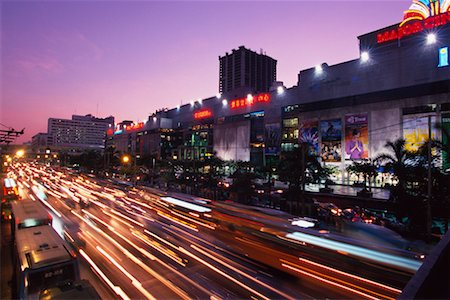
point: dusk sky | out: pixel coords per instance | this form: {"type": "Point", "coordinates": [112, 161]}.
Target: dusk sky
{"type": "Point", "coordinates": [129, 58]}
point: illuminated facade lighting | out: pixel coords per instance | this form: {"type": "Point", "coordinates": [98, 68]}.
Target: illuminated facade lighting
{"type": "Point", "coordinates": [431, 38]}
{"type": "Point", "coordinates": [249, 98]}
{"type": "Point", "coordinates": [154, 119]}
{"type": "Point", "coordinates": [218, 95]}
{"type": "Point", "coordinates": [280, 90]}
{"type": "Point", "coordinates": [224, 102]}
{"type": "Point", "coordinates": [178, 107]}
{"type": "Point", "coordinates": [364, 56]}
{"type": "Point", "coordinates": [318, 69]}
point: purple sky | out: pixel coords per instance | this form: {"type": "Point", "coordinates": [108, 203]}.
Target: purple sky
{"type": "Point", "coordinates": [128, 59]}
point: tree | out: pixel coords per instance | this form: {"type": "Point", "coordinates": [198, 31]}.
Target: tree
{"type": "Point", "coordinates": [397, 163]}
{"type": "Point", "coordinates": [298, 167]}
{"type": "Point", "coordinates": [367, 169]}
{"type": "Point", "coordinates": [243, 182]}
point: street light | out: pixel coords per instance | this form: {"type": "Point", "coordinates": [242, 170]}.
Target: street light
{"type": "Point", "coordinates": [125, 159]}
{"type": "Point", "coordinates": [20, 153]}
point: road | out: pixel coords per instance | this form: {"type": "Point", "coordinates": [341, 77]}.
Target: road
{"type": "Point", "coordinates": [143, 243]}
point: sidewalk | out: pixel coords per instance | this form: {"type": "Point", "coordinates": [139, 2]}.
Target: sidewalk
{"type": "Point", "coordinates": [378, 193]}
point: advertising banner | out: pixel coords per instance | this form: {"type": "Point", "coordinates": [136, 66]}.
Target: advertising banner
{"type": "Point", "coordinates": [309, 133]}
{"type": "Point", "coordinates": [356, 137]}
{"type": "Point", "coordinates": [415, 130]}
{"type": "Point", "coordinates": [331, 132]}
{"type": "Point", "coordinates": [445, 128]}
{"type": "Point", "coordinates": [272, 139]}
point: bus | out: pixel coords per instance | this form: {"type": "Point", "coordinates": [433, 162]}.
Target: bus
{"type": "Point", "coordinates": [42, 261]}
{"type": "Point", "coordinates": [10, 193]}
{"type": "Point", "coordinates": [27, 213]}
{"type": "Point", "coordinates": [82, 289]}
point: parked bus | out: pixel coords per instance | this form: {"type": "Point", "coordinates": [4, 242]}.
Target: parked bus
{"type": "Point", "coordinates": [10, 193]}
{"type": "Point", "coordinates": [27, 213]}
{"type": "Point", "coordinates": [42, 261]}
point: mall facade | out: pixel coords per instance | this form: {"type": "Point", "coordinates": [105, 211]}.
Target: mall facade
{"type": "Point", "coordinates": [398, 87]}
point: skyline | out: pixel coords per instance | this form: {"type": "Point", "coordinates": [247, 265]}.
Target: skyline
{"type": "Point", "coordinates": [90, 57]}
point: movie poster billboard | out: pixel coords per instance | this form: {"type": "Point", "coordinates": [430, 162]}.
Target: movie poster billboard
{"type": "Point", "coordinates": [272, 139]}
{"type": "Point", "coordinates": [415, 131]}
{"type": "Point", "coordinates": [331, 133]}
{"type": "Point", "coordinates": [445, 140]}
{"type": "Point", "coordinates": [309, 133]}
{"type": "Point", "coordinates": [356, 137]}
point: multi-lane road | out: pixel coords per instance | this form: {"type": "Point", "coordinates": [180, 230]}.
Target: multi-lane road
{"type": "Point", "coordinates": [143, 243]}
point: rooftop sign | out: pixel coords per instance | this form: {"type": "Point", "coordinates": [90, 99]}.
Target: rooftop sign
{"type": "Point", "coordinates": [421, 15]}
{"type": "Point", "coordinates": [202, 114]}
{"type": "Point", "coordinates": [250, 100]}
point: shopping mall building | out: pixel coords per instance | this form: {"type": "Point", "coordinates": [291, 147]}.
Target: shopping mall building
{"type": "Point", "coordinates": [397, 87]}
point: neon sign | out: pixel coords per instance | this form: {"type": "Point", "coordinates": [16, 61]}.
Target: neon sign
{"type": "Point", "coordinates": [250, 100]}
{"type": "Point", "coordinates": [421, 15]}
{"type": "Point", "coordinates": [412, 28]}
{"type": "Point", "coordinates": [202, 114]}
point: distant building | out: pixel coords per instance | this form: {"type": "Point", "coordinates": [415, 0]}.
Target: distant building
{"type": "Point", "coordinates": [245, 71]}
{"type": "Point", "coordinates": [79, 133]}
{"type": "Point", "coordinates": [40, 141]}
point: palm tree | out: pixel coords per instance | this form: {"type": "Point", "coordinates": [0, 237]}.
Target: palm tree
{"type": "Point", "coordinates": [397, 163]}
{"type": "Point", "coordinates": [368, 169]}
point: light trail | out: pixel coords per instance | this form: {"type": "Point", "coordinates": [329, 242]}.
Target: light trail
{"type": "Point", "coordinates": [136, 283]}
{"type": "Point", "coordinates": [331, 282]}
{"type": "Point", "coordinates": [351, 275]}
{"type": "Point", "coordinates": [157, 247]}
{"type": "Point", "coordinates": [229, 277]}
{"type": "Point", "coordinates": [182, 223]}
{"type": "Point", "coordinates": [137, 261]}
{"type": "Point", "coordinates": [383, 258]}
{"type": "Point", "coordinates": [118, 290]}
{"type": "Point", "coordinates": [127, 218]}
{"type": "Point", "coordinates": [228, 265]}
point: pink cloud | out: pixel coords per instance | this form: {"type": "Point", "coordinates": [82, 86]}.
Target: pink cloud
{"type": "Point", "coordinates": [45, 64]}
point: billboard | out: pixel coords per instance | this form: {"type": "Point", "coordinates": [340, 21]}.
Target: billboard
{"type": "Point", "coordinates": [356, 137]}
{"type": "Point", "coordinates": [331, 133]}
{"type": "Point", "coordinates": [272, 140]}
{"type": "Point", "coordinates": [232, 141]}
{"type": "Point", "coordinates": [309, 133]}
{"type": "Point", "coordinates": [415, 131]}
{"type": "Point", "coordinates": [445, 141]}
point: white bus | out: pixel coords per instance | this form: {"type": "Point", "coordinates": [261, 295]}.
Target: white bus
{"type": "Point", "coordinates": [27, 213]}
{"type": "Point", "coordinates": [43, 260]}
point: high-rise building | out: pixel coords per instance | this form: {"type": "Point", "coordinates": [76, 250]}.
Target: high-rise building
{"type": "Point", "coordinates": [81, 132]}
{"type": "Point", "coordinates": [246, 71]}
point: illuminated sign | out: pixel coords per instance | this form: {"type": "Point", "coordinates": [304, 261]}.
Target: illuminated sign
{"type": "Point", "coordinates": [250, 100]}
{"type": "Point", "coordinates": [202, 114]}
{"type": "Point", "coordinates": [443, 57]}
{"type": "Point", "coordinates": [109, 131]}
{"type": "Point", "coordinates": [134, 126]}
{"type": "Point", "coordinates": [421, 15]}
{"type": "Point", "coordinates": [121, 128]}
{"type": "Point", "coordinates": [413, 28]}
